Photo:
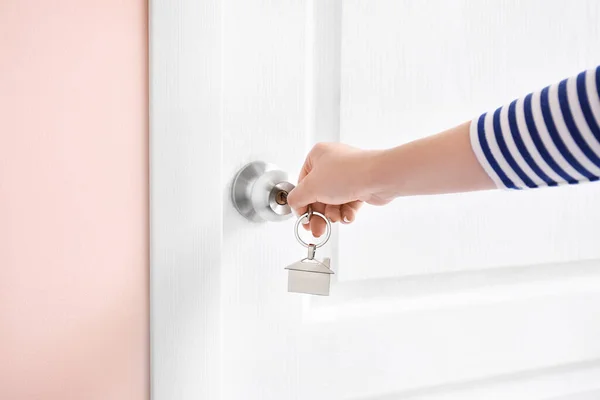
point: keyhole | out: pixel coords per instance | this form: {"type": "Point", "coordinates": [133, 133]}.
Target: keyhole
{"type": "Point", "coordinates": [281, 197]}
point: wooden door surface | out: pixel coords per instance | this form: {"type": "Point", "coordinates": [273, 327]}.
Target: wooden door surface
{"type": "Point", "coordinates": [479, 296]}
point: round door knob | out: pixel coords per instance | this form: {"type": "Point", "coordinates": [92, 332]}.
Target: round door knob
{"type": "Point", "coordinates": [259, 192]}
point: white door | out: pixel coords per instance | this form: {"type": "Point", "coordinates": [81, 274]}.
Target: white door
{"type": "Point", "coordinates": [491, 295]}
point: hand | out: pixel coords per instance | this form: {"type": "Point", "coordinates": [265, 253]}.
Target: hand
{"type": "Point", "coordinates": [336, 179]}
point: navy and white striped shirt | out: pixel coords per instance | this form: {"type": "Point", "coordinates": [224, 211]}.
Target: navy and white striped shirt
{"type": "Point", "coordinates": [547, 138]}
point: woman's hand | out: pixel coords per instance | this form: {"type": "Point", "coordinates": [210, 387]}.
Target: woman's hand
{"type": "Point", "coordinates": [336, 179]}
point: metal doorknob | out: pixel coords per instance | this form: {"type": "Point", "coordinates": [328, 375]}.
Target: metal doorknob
{"type": "Point", "coordinates": [259, 192]}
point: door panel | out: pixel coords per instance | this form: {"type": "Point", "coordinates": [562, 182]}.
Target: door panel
{"type": "Point", "coordinates": [449, 297]}
{"type": "Point", "coordinates": [399, 343]}
{"type": "Point", "coordinates": [409, 70]}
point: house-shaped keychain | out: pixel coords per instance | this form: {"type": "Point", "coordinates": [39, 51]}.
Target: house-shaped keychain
{"type": "Point", "coordinates": [310, 276]}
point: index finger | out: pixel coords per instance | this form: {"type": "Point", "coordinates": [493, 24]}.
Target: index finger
{"type": "Point", "coordinates": [303, 172]}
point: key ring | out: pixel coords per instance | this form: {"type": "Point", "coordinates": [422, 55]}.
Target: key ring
{"type": "Point", "coordinates": [308, 215]}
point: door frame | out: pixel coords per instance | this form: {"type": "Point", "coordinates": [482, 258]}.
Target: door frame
{"type": "Point", "coordinates": [185, 223]}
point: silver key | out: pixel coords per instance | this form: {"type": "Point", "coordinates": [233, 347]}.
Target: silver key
{"type": "Point", "coordinates": [310, 275]}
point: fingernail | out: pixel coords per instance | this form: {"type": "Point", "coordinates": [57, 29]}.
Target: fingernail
{"type": "Point", "coordinates": [346, 220]}
{"type": "Point", "coordinates": [305, 221]}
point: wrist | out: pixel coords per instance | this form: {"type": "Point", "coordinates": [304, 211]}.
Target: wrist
{"type": "Point", "coordinates": [382, 176]}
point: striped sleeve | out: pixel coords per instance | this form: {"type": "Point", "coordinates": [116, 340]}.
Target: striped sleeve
{"type": "Point", "coordinates": [547, 138]}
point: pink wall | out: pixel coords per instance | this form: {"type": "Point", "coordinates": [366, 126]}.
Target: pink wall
{"type": "Point", "coordinates": [73, 200]}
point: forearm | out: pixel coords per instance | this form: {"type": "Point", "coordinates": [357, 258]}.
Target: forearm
{"type": "Point", "coordinates": [547, 138]}
{"type": "Point", "coordinates": [442, 163]}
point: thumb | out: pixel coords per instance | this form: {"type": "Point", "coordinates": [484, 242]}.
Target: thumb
{"type": "Point", "coordinates": [303, 195]}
